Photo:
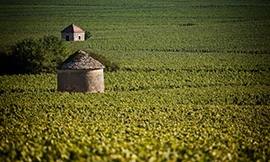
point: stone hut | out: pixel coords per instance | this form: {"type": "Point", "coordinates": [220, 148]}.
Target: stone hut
{"type": "Point", "coordinates": [73, 33]}
{"type": "Point", "coordinates": [80, 73]}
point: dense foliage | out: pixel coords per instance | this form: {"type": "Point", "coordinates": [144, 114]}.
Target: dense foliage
{"type": "Point", "coordinates": [42, 56]}
{"type": "Point", "coordinates": [34, 56]}
{"type": "Point", "coordinates": [193, 83]}
{"type": "Point", "coordinates": [194, 106]}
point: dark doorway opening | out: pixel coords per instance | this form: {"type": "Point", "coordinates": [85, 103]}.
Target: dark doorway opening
{"type": "Point", "coordinates": [67, 37]}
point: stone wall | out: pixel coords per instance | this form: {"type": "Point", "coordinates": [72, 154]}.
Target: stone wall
{"type": "Point", "coordinates": [76, 36]}
{"type": "Point", "coordinates": [80, 80]}
{"type": "Point", "coordinates": [71, 36]}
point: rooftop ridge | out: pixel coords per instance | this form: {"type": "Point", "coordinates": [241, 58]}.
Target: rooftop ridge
{"type": "Point", "coordinates": [72, 28]}
{"type": "Point", "coordinates": [80, 60]}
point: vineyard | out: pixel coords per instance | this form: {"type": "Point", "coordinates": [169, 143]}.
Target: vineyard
{"type": "Point", "coordinates": [193, 83]}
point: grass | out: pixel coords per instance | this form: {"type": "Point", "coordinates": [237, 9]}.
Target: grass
{"type": "Point", "coordinates": [193, 83]}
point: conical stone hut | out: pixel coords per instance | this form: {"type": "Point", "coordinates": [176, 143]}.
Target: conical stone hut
{"type": "Point", "coordinates": [80, 73]}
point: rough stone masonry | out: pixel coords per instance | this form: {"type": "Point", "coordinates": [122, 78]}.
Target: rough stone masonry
{"type": "Point", "coordinates": [80, 73]}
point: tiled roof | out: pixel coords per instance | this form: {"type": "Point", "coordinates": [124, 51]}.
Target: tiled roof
{"type": "Point", "coordinates": [80, 60]}
{"type": "Point", "coordinates": [72, 29]}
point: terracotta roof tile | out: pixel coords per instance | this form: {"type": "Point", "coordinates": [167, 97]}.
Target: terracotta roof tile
{"type": "Point", "coordinates": [72, 29]}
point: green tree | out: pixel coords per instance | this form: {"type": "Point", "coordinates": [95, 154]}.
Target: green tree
{"type": "Point", "coordinates": [55, 51]}
{"type": "Point", "coordinates": [36, 56]}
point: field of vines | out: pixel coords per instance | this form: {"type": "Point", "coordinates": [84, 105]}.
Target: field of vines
{"type": "Point", "coordinates": [193, 84]}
